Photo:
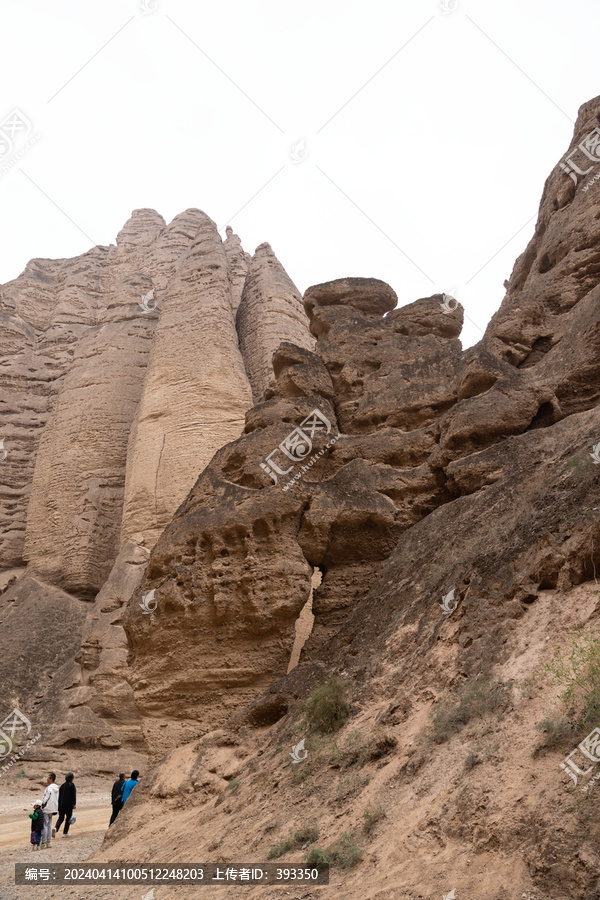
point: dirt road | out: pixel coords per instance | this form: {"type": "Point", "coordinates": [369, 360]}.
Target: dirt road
{"type": "Point", "coordinates": [87, 835]}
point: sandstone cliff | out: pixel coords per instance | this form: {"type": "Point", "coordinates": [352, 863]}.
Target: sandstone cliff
{"type": "Point", "coordinates": [121, 377]}
{"type": "Point", "coordinates": [268, 294]}
{"type": "Point", "coordinates": [450, 471]}
{"type": "Point", "coordinates": [410, 475]}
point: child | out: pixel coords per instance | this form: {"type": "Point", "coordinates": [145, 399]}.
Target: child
{"type": "Point", "coordinates": [37, 823]}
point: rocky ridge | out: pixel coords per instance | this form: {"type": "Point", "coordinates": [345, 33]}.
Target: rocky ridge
{"type": "Point", "coordinates": [405, 471]}
{"type": "Point", "coordinates": [122, 375]}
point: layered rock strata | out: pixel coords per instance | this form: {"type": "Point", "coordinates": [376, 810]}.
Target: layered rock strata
{"type": "Point", "coordinates": [419, 427]}
{"type": "Point", "coordinates": [268, 295]}
{"type": "Point", "coordinates": [120, 377]}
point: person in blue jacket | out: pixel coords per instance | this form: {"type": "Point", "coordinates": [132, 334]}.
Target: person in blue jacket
{"type": "Point", "coordinates": [129, 785]}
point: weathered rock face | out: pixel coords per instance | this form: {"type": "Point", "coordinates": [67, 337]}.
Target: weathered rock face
{"type": "Point", "coordinates": [37, 622]}
{"type": "Point", "coordinates": [121, 376]}
{"type": "Point", "coordinates": [195, 395]}
{"type": "Point", "coordinates": [43, 315]}
{"type": "Point", "coordinates": [422, 425]}
{"type": "Point", "coordinates": [467, 472]}
{"type": "Point", "coordinates": [234, 567]}
{"type": "Point", "coordinates": [96, 702]}
{"type": "Point", "coordinates": [238, 263]}
{"type": "Point", "coordinates": [269, 299]}
{"type": "Point", "coordinates": [105, 424]}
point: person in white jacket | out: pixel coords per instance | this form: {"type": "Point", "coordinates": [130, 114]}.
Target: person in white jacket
{"type": "Point", "coordinates": [49, 808]}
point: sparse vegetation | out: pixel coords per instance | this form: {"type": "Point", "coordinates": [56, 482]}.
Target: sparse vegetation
{"type": "Point", "coordinates": [326, 708]}
{"type": "Point", "coordinates": [351, 787]}
{"type": "Point", "coordinates": [233, 784]}
{"type": "Point", "coordinates": [576, 667]}
{"type": "Point", "coordinates": [21, 773]}
{"type": "Point", "coordinates": [477, 699]}
{"type": "Point", "coordinates": [557, 733]}
{"type": "Point", "coordinates": [345, 852]}
{"type": "Point", "coordinates": [317, 857]}
{"type": "Point", "coordinates": [371, 817]}
{"type": "Point", "coordinates": [472, 759]}
{"type": "Point", "coordinates": [359, 749]}
{"type": "Point", "coordinates": [295, 840]}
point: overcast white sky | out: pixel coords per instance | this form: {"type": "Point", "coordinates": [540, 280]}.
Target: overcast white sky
{"type": "Point", "coordinates": [428, 132]}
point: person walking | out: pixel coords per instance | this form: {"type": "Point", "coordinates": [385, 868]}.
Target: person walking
{"type": "Point", "coordinates": [117, 797]}
{"type": "Point", "coordinates": [49, 808]}
{"type": "Point", "coordinates": [37, 823]}
{"type": "Point", "coordinates": [67, 802]}
{"type": "Point", "coordinates": [130, 784]}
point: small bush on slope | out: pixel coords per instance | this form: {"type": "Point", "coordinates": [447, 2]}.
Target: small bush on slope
{"type": "Point", "coordinates": [576, 667]}
{"type": "Point", "coordinates": [345, 853]}
{"type": "Point", "coordinates": [307, 834]}
{"type": "Point", "coordinates": [371, 818]}
{"type": "Point", "coordinates": [477, 699]}
{"type": "Point", "coordinates": [326, 708]}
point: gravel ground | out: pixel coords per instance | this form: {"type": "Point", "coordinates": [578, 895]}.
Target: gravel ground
{"type": "Point", "coordinates": [92, 813]}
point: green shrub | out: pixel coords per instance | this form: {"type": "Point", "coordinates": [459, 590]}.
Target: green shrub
{"type": "Point", "coordinates": [473, 759]}
{"type": "Point", "coordinates": [344, 852]}
{"type": "Point", "coordinates": [371, 818]}
{"type": "Point", "coordinates": [326, 708]}
{"type": "Point", "coordinates": [21, 773]}
{"type": "Point", "coordinates": [233, 784]}
{"type": "Point", "coordinates": [477, 699]}
{"type": "Point", "coordinates": [557, 733]}
{"type": "Point", "coordinates": [317, 857]}
{"type": "Point", "coordinates": [576, 667]}
{"type": "Point", "coordinates": [295, 840]}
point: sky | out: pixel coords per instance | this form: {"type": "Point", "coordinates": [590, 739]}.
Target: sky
{"type": "Point", "coordinates": [407, 140]}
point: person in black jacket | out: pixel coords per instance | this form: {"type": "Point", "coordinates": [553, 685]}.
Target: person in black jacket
{"type": "Point", "coordinates": [117, 797]}
{"type": "Point", "coordinates": [67, 801]}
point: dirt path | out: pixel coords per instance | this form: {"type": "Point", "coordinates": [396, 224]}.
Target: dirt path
{"type": "Point", "coordinates": [87, 835]}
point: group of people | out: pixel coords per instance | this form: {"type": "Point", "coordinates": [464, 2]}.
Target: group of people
{"type": "Point", "coordinates": [63, 801]}
{"type": "Point", "coordinates": [121, 790]}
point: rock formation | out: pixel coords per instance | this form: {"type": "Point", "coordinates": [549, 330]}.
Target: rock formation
{"type": "Point", "coordinates": [451, 471]}
{"type": "Point", "coordinates": [379, 455]}
{"type": "Point", "coordinates": [122, 375]}
{"type": "Point", "coordinates": [268, 294]}
{"type": "Point", "coordinates": [195, 393]}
